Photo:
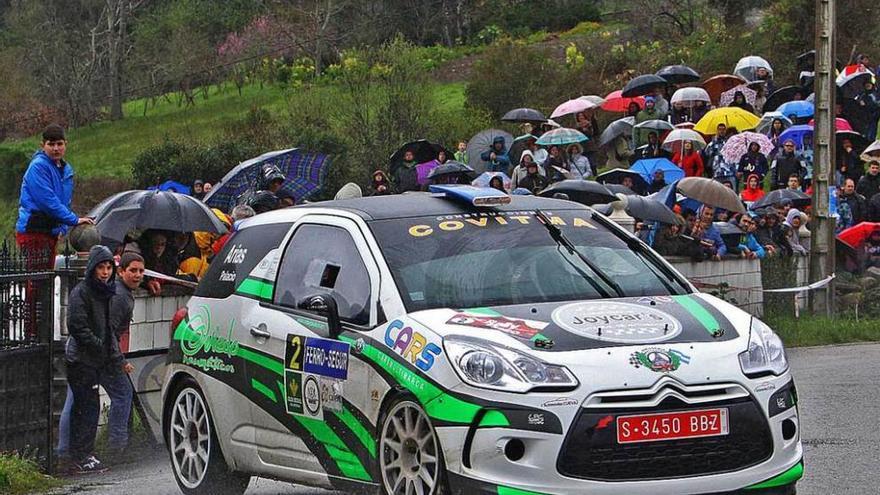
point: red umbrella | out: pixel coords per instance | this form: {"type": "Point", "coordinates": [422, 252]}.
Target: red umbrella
{"type": "Point", "coordinates": [615, 102]}
{"type": "Point", "coordinates": [839, 124]}
{"type": "Point", "coordinates": [721, 83]}
{"type": "Point", "coordinates": [855, 236]}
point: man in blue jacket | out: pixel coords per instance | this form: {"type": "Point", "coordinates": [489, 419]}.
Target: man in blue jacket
{"type": "Point", "coordinates": [44, 205]}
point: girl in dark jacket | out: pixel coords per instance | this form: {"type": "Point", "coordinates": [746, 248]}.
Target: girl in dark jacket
{"type": "Point", "coordinates": [753, 162]}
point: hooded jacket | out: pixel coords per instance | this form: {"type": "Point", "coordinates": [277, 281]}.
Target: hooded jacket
{"type": "Point", "coordinates": [519, 172]}
{"type": "Point", "coordinates": [750, 195]}
{"type": "Point", "coordinates": [374, 187]}
{"type": "Point", "coordinates": [502, 160]}
{"type": "Point", "coordinates": [92, 341]}
{"type": "Point", "coordinates": [691, 163]}
{"type": "Point", "coordinates": [46, 191]}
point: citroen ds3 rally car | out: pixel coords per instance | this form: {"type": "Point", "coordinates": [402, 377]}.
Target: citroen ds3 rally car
{"type": "Point", "coordinates": [452, 343]}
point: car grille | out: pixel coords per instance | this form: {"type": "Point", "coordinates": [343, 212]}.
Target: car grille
{"type": "Point", "coordinates": [593, 453]}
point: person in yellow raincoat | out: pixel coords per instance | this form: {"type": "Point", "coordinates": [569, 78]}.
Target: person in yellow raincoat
{"type": "Point", "coordinates": [198, 266]}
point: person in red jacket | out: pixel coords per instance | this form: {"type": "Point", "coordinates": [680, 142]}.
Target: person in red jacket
{"type": "Point", "coordinates": [689, 160]}
{"type": "Point", "coordinates": [753, 191]}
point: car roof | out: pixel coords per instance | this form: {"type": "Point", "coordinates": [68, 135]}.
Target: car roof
{"type": "Point", "coordinates": [421, 204]}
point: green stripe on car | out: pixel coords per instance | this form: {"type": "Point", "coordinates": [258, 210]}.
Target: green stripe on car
{"type": "Point", "coordinates": [700, 313]}
{"type": "Point", "coordinates": [793, 474]}
{"type": "Point", "coordinates": [256, 288]}
{"type": "Point", "coordinates": [259, 387]}
{"type": "Point", "coordinates": [347, 461]}
{"type": "Point", "coordinates": [494, 418]}
{"type": "Point", "coordinates": [504, 490]}
{"type": "Point", "coordinates": [358, 429]}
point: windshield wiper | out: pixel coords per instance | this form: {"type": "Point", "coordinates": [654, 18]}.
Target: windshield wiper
{"type": "Point", "coordinates": [557, 235]}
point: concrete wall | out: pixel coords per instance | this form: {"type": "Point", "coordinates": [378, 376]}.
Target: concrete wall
{"type": "Point", "coordinates": [739, 273]}
{"type": "Point", "coordinates": [151, 321]}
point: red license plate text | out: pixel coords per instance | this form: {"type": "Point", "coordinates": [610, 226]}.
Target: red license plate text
{"type": "Point", "coordinates": [672, 426]}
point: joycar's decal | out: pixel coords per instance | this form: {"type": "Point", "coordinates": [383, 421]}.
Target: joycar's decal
{"type": "Point", "coordinates": [617, 322]}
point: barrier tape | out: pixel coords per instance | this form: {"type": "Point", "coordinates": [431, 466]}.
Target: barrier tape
{"type": "Point", "coordinates": [175, 280]}
{"type": "Point", "coordinates": [815, 285]}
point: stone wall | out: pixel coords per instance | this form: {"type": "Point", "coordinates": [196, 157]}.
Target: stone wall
{"type": "Point", "coordinates": [738, 273]}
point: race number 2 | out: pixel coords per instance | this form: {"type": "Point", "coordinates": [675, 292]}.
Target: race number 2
{"type": "Point", "coordinates": [293, 353]}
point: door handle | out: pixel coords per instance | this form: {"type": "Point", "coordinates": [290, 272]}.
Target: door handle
{"type": "Point", "coordinates": [260, 331]}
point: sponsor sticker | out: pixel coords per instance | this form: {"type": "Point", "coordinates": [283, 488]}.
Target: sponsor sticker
{"type": "Point", "coordinates": [311, 396]}
{"type": "Point", "coordinates": [293, 386]}
{"type": "Point", "coordinates": [326, 358]}
{"type": "Point", "coordinates": [411, 345]}
{"type": "Point", "coordinates": [659, 360]}
{"type": "Point", "coordinates": [536, 419]}
{"type": "Point", "coordinates": [617, 322]}
{"type": "Point", "coordinates": [331, 394]}
{"type": "Point", "coordinates": [562, 401]}
{"type": "Point", "coordinates": [236, 255]}
{"type": "Point", "coordinates": [511, 326]}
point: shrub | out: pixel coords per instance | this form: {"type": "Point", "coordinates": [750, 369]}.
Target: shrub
{"type": "Point", "coordinates": [13, 164]}
{"type": "Point", "coordinates": [186, 162]}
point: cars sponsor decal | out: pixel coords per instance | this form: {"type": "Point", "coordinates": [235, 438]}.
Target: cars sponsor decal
{"type": "Point", "coordinates": [659, 360]}
{"type": "Point", "coordinates": [453, 223]}
{"type": "Point", "coordinates": [618, 322]}
{"type": "Point", "coordinates": [511, 326]}
{"type": "Point", "coordinates": [318, 356]}
{"type": "Point", "coordinates": [411, 345]}
{"type": "Point", "coordinates": [561, 401]}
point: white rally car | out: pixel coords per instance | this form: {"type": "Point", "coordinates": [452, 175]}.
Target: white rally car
{"type": "Point", "coordinates": [466, 342]}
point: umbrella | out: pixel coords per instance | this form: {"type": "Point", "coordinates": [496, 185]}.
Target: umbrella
{"type": "Point", "coordinates": [748, 66]}
{"type": "Point", "coordinates": [784, 95]}
{"type": "Point", "coordinates": [797, 198]}
{"type": "Point", "coordinates": [796, 133]}
{"type": "Point", "coordinates": [615, 102]}
{"type": "Point", "coordinates": [872, 152]}
{"type": "Point", "coordinates": [304, 174]}
{"type": "Point", "coordinates": [727, 96]}
{"type": "Point", "coordinates": [729, 116]}
{"type": "Point", "coordinates": [519, 145]}
{"type": "Point", "coordinates": [423, 151]}
{"type": "Point", "coordinates": [595, 99]}
{"type": "Point", "coordinates": [521, 191]}
{"type": "Point", "coordinates": [119, 199]}
{"type": "Point", "coordinates": [718, 84]}
{"type": "Point", "coordinates": [620, 188]}
{"type": "Point", "coordinates": [710, 192]}
{"type": "Point", "coordinates": [523, 115]}
{"type": "Point", "coordinates": [852, 79]}
{"type": "Point", "coordinates": [678, 74]}
{"type": "Point", "coordinates": [481, 142]}
{"type": "Point", "coordinates": [561, 137]}
{"type": "Point", "coordinates": [799, 108]}
{"type": "Point", "coordinates": [690, 96]}
{"type": "Point", "coordinates": [730, 233]}
{"type": "Point", "coordinates": [576, 105]}
{"type": "Point", "coordinates": [647, 166]}
{"type": "Point", "coordinates": [738, 144]}
{"type": "Point", "coordinates": [173, 186]}
{"type": "Point", "coordinates": [766, 122]}
{"type": "Point", "coordinates": [681, 135]}
{"type": "Point", "coordinates": [840, 124]}
{"type": "Point", "coordinates": [451, 167]}
{"type": "Point", "coordinates": [855, 236]}
{"type": "Point", "coordinates": [806, 61]}
{"type": "Point", "coordinates": [485, 177]}
{"type": "Point", "coordinates": [620, 127]}
{"type": "Point", "coordinates": [424, 169]}
{"type": "Point", "coordinates": [643, 85]}
{"type": "Point", "coordinates": [585, 192]}
{"type": "Point", "coordinates": [857, 140]}
{"type": "Point", "coordinates": [163, 210]}
{"type": "Point", "coordinates": [649, 209]}
{"type": "Point", "coordinates": [616, 176]}
{"type": "Point", "coordinates": [648, 126]}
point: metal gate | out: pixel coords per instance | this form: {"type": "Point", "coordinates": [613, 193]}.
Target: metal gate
{"type": "Point", "coordinates": [27, 285]}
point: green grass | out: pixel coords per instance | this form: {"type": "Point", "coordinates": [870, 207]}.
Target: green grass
{"type": "Point", "coordinates": [808, 330]}
{"type": "Point", "coordinates": [20, 476]}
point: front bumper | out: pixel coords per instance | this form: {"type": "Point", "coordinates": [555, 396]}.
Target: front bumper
{"type": "Point", "coordinates": [479, 460]}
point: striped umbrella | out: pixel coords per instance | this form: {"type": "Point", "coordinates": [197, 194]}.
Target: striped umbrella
{"type": "Point", "coordinates": [561, 137]}
{"type": "Point", "coordinates": [304, 174]}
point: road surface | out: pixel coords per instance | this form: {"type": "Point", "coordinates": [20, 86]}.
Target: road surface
{"type": "Point", "coordinates": [839, 388]}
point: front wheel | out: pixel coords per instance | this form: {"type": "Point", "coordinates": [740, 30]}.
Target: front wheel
{"type": "Point", "coordinates": [196, 459]}
{"type": "Point", "coordinates": [410, 461]}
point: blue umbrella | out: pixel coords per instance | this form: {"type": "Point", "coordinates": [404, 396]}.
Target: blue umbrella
{"type": "Point", "coordinates": [798, 108]}
{"type": "Point", "coordinates": [173, 186]}
{"type": "Point", "coordinates": [796, 133]}
{"type": "Point", "coordinates": [561, 137]}
{"type": "Point", "coordinates": [304, 174]}
{"type": "Point", "coordinates": [647, 166]}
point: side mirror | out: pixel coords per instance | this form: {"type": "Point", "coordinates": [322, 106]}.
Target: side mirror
{"type": "Point", "coordinates": [325, 305]}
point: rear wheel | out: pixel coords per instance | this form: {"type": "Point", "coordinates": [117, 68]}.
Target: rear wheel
{"type": "Point", "coordinates": [196, 459]}
{"type": "Point", "coordinates": [410, 461]}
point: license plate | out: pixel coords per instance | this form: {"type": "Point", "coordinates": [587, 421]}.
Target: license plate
{"type": "Point", "coordinates": [672, 426]}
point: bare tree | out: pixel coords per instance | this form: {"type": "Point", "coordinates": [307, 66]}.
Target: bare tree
{"type": "Point", "coordinates": [117, 14]}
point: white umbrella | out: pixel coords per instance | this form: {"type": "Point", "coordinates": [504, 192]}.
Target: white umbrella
{"type": "Point", "coordinates": [569, 107]}
{"type": "Point", "coordinates": [872, 152]}
{"type": "Point", "coordinates": [689, 96]}
{"type": "Point", "coordinates": [747, 66]}
{"type": "Point", "coordinates": [681, 135]}
{"type": "Point", "coordinates": [596, 100]}
{"type": "Point", "coordinates": [767, 121]}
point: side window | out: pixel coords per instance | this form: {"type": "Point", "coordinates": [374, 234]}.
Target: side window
{"type": "Point", "coordinates": [324, 259]}
{"type": "Point", "coordinates": [239, 257]}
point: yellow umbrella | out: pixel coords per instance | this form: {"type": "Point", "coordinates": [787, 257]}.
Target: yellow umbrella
{"type": "Point", "coordinates": [730, 116]}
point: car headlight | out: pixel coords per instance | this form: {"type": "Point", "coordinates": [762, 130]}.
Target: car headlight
{"type": "Point", "coordinates": [765, 353]}
{"type": "Point", "coordinates": [498, 368]}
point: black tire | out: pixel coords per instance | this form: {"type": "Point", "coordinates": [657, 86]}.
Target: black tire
{"type": "Point", "coordinates": [386, 450]}
{"type": "Point", "coordinates": [196, 459]}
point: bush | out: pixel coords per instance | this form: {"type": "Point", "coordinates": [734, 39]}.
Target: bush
{"type": "Point", "coordinates": [186, 162]}
{"type": "Point", "coordinates": [13, 164]}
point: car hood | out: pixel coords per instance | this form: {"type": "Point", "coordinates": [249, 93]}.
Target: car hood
{"type": "Point", "coordinates": [579, 325]}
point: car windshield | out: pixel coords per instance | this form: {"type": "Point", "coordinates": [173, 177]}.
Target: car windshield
{"type": "Point", "coordinates": [503, 258]}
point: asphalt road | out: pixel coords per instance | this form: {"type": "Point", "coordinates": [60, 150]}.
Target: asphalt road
{"type": "Point", "coordinates": [839, 387]}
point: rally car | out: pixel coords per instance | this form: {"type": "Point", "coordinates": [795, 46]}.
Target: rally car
{"type": "Point", "coordinates": [464, 341]}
